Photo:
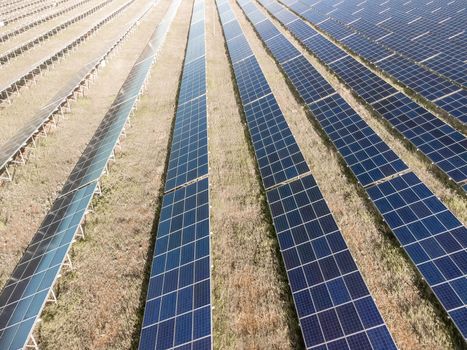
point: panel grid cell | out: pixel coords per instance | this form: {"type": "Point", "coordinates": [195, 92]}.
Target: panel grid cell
{"type": "Point", "coordinates": [250, 80]}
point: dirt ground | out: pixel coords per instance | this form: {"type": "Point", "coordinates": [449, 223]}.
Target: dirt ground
{"type": "Point", "coordinates": [412, 318]}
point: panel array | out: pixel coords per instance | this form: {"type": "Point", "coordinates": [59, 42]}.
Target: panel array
{"type": "Point", "coordinates": [32, 280]}
{"type": "Point", "coordinates": [25, 135]}
{"type": "Point", "coordinates": [333, 304]}
{"type": "Point", "coordinates": [21, 48]}
{"type": "Point", "coordinates": [430, 234]}
{"type": "Point", "coordinates": [177, 313]}
{"type": "Point", "coordinates": [440, 143]}
{"type": "Point", "coordinates": [415, 74]}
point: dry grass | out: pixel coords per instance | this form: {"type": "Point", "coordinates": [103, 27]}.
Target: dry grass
{"type": "Point", "coordinates": [252, 303]}
{"type": "Point", "coordinates": [406, 306]}
{"type": "Point", "coordinates": [99, 302]}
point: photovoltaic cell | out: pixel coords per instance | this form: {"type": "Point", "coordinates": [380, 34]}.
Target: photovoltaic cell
{"type": "Point", "coordinates": [311, 85]}
{"type": "Point", "coordinates": [282, 48]}
{"type": "Point", "coordinates": [334, 306]}
{"type": "Point", "coordinates": [177, 312]}
{"type": "Point", "coordinates": [193, 80]}
{"type": "Point", "coordinates": [27, 290]}
{"type": "Point", "coordinates": [441, 143]}
{"type": "Point", "coordinates": [250, 80]}
{"type": "Point", "coordinates": [178, 305]}
{"type": "Point", "coordinates": [239, 48]}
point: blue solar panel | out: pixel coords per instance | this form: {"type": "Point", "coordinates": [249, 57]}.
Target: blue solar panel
{"type": "Point", "coordinates": [324, 49]}
{"type": "Point", "coordinates": [301, 30]}
{"type": "Point", "coordinates": [232, 29]}
{"type": "Point", "coordinates": [431, 235]}
{"type": "Point", "coordinates": [193, 80]}
{"type": "Point", "coordinates": [311, 85]}
{"type": "Point", "coordinates": [456, 105]}
{"type": "Point", "coordinates": [334, 306]}
{"type": "Point", "coordinates": [267, 30]}
{"type": "Point", "coordinates": [189, 151]}
{"type": "Point", "coordinates": [282, 48]}
{"type": "Point", "coordinates": [27, 290]}
{"type": "Point", "coordinates": [250, 80]}
{"type": "Point", "coordinates": [365, 83]}
{"type": "Point", "coordinates": [178, 303]}
{"type": "Point", "coordinates": [441, 143]}
{"type": "Point", "coordinates": [25, 294]}
{"type": "Point", "coordinates": [277, 153]}
{"type": "Point", "coordinates": [239, 48]}
{"type": "Point", "coordinates": [177, 313]}
{"type": "Point", "coordinates": [363, 150]}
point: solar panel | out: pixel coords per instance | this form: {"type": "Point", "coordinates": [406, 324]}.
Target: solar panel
{"type": "Point", "coordinates": [189, 152]}
{"type": "Point", "coordinates": [324, 49]}
{"type": "Point", "coordinates": [333, 304]}
{"type": "Point", "coordinates": [178, 304]}
{"type": "Point", "coordinates": [194, 75]}
{"type": "Point", "coordinates": [250, 80]}
{"type": "Point", "coordinates": [441, 143]}
{"type": "Point", "coordinates": [431, 235]}
{"type": "Point", "coordinates": [456, 105]}
{"type": "Point", "coordinates": [27, 290]}
{"type": "Point", "coordinates": [177, 313]}
{"type": "Point", "coordinates": [366, 154]}
{"type": "Point", "coordinates": [239, 48]}
{"type": "Point", "coordinates": [282, 48]}
{"type": "Point", "coordinates": [304, 77]}
{"type": "Point", "coordinates": [277, 153]}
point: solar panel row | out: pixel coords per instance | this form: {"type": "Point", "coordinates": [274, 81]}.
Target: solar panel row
{"type": "Point", "coordinates": [6, 36]}
{"type": "Point", "coordinates": [15, 84]}
{"type": "Point", "coordinates": [430, 234]}
{"type": "Point", "coordinates": [177, 312]}
{"type": "Point", "coordinates": [26, 292]}
{"type": "Point", "coordinates": [431, 38]}
{"type": "Point", "coordinates": [24, 136]}
{"type": "Point", "coordinates": [440, 143]}
{"type": "Point", "coordinates": [20, 49]}
{"type": "Point", "coordinates": [420, 79]}
{"type": "Point", "coordinates": [333, 304]}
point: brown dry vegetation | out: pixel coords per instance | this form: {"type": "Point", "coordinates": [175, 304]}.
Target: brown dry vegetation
{"type": "Point", "coordinates": [99, 301]}
{"type": "Point", "coordinates": [252, 304]}
{"type": "Point", "coordinates": [413, 319]}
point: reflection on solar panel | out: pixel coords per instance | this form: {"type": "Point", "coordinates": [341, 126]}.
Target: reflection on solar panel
{"type": "Point", "coordinates": [408, 61]}
{"type": "Point", "coordinates": [177, 313]}
{"type": "Point", "coordinates": [439, 142]}
{"type": "Point", "coordinates": [333, 304]}
{"type": "Point", "coordinates": [430, 234]}
{"type": "Point", "coordinates": [27, 290]}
